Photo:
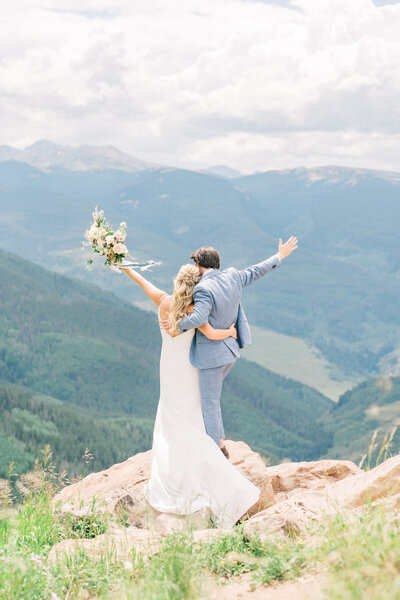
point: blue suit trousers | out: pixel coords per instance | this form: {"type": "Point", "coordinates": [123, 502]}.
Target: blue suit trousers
{"type": "Point", "coordinates": [211, 381]}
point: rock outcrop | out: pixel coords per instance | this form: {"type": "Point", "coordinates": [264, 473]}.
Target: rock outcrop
{"type": "Point", "coordinates": [117, 490]}
{"type": "Point", "coordinates": [382, 482]}
{"type": "Point", "coordinates": [295, 510]}
{"type": "Point", "coordinates": [292, 495]}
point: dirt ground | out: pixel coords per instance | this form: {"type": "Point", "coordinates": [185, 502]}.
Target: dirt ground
{"type": "Point", "coordinates": [308, 587]}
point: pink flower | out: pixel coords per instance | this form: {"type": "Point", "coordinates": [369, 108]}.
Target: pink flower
{"type": "Point", "coordinates": [120, 249]}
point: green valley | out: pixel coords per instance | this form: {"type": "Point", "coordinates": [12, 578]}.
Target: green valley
{"type": "Point", "coordinates": [374, 405]}
{"type": "Point", "coordinates": [295, 358]}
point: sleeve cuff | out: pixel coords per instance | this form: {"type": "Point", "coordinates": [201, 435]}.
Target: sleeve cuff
{"type": "Point", "coordinates": [278, 260]}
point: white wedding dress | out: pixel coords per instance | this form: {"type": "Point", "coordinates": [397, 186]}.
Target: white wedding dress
{"type": "Point", "coordinates": [188, 470]}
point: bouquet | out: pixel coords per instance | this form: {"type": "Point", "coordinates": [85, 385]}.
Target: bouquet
{"type": "Point", "coordinates": [103, 240]}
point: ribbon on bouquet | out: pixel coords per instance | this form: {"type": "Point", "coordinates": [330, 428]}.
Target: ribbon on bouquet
{"type": "Point", "coordinates": [130, 264]}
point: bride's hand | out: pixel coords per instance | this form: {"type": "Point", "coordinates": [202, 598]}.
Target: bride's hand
{"type": "Point", "coordinates": [232, 331]}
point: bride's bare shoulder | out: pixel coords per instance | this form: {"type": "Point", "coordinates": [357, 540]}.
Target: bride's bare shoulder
{"type": "Point", "coordinates": [165, 305]}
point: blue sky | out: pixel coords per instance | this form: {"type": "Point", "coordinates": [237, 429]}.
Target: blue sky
{"type": "Point", "coordinates": [251, 84]}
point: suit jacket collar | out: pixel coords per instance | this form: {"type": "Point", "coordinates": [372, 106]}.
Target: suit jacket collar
{"type": "Point", "coordinates": [210, 273]}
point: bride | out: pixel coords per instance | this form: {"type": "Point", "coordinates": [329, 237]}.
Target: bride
{"type": "Point", "coordinates": [188, 470]}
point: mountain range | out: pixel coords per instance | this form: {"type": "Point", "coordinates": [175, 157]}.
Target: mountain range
{"type": "Point", "coordinates": [45, 155]}
{"type": "Point", "coordinates": [338, 292]}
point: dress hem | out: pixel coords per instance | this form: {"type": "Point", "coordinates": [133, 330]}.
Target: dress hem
{"type": "Point", "coordinates": [214, 517]}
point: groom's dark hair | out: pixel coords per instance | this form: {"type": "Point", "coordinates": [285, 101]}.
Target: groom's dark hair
{"type": "Point", "coordinates": [207, 257]}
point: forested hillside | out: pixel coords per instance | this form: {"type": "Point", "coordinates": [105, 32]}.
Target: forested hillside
{"type": "Point", "coordinates": [29, 421]}
{"type": "Point", "coordinates": [372, 406]}
{"type": "Point", "coordinates": [75, 342]}
{"type": "Point", "coordinates": [94, 352]}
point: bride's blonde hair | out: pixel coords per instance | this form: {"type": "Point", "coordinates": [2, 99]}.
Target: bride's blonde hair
{"type": "Point", "coordinates": [184, 283]}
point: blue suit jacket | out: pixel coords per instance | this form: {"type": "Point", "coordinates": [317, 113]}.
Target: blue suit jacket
{"type": "Point", "coordinates": [217, 300]}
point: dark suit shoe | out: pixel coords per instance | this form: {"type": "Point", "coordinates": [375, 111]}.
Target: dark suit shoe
{"type": "Point", "coordinates": [224, 451]}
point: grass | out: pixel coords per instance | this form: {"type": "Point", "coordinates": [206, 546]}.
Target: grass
{"type": "Point", "coordinates": [365, 557]}
{"type": "Point", "coordinates": [359, 554]}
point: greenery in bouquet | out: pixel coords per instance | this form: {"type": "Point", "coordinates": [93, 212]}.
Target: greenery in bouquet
{"type": "Point", "coordinates": [103, 240]}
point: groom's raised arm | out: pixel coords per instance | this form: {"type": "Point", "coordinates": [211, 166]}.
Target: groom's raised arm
{"type": "Point", "coordinates": [251, 274]}
{"type": "Point", "coordinates": [247, 276]}
{"type": "Point", "coordinates": [201, 311]}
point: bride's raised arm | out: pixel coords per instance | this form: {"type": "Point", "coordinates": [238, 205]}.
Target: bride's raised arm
{"type": "Point", "coordinates": [153, 292]}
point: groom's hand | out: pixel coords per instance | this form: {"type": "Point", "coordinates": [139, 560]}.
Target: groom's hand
{"type": "Point", "coordinates": [288, 247]}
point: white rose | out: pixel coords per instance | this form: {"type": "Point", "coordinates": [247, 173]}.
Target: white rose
{"type": "Point", "coordinates": [110, 239]}
{"type": "Point", "coordinates": [102, 232]}
{"type": "Point", "coordinates": [92, 233]}
{"type": "Point", "coordinates": [120, 249]}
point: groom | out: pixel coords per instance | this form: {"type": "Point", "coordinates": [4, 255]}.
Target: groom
{"type": "Point", "coordinates": [217, 301]}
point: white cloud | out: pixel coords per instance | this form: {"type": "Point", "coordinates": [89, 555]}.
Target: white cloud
{"type": "Point", "coordinates": [193, 83]}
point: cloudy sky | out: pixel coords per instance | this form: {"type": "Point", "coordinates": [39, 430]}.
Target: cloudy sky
{"type": "Point", "coordinates": [255, 85]}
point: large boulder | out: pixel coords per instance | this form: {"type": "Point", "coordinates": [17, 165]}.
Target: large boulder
{"type": "Point", "coordinates": [292, 514]}
{"type": "Point", "coordinates": [316, 474]}
{"type": "Point", "coordinates": [382, 482]}
{"type": "Point", "coordinates": [252, 466]}
{"type": "Point", "coordinates": [118, 490]}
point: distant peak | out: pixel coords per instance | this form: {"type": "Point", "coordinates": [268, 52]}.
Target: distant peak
{"type": "Point", "coordinates": [45, 155]}
{"type": "Point", "coordinates": [223, 171]}
{"type": "Point", "coordinates": [43, 144]}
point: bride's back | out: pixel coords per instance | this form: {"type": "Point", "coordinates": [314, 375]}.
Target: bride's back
{"type": "Point", "coordinates": [177, 374]}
